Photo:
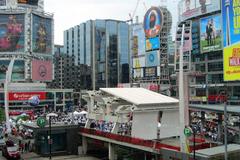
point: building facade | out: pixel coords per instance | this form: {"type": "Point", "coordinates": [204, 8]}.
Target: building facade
{"type": "Point", "coordinates": [205, 70]}
{"type": "Point", "coordinates": [103, 46]}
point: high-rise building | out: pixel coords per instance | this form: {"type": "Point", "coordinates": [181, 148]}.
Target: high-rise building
{"type": "Point", "coordinates": [102, 45]}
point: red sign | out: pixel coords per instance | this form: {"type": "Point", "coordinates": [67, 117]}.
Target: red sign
{"type": "Point", "coordinates": [217, 98]}
{"type": "Point", "coordinates": [23, 96]}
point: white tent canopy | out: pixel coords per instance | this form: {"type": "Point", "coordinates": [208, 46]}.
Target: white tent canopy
{"type": "Point", "coordinates": [140, 96]}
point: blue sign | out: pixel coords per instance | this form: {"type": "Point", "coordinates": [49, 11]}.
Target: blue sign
{"type": "Point", "coordinates": [34, 100]}
{"type": "Point", "coordinates": [152, 59]}
{"type": "Point", "coordinates": [152, 43]}
{"type": "Point", "coordinates": [231, 24]}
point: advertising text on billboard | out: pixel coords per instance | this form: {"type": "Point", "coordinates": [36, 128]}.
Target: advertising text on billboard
{"type": "Point", "coordinates": [41, 70]}
{"type": "Point", "coordinates": [24, 96]}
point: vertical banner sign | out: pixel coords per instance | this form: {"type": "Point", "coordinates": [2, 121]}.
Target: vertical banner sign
{"type": "Point", "coordinates": [231, 36]}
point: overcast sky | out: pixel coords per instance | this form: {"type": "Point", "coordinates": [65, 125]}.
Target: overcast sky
{"type": "Point", "coordinates": [68, 13]}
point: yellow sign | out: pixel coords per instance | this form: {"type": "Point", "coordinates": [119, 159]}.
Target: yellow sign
{"type": "Point", "coordinates": [232, 62]}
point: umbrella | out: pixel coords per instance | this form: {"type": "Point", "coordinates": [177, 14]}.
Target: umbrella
{"type": "Point", "coordinates": [76, 113]}
{"type": "Point", "coordinates": [51, 115]}
{"type": "Point", "coordinates": [83, 112]}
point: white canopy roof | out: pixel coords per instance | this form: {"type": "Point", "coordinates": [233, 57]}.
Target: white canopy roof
{"type": "Point", "coordinates": [140, 96]}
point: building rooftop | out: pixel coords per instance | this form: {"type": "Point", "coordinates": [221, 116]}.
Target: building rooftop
{"type": "Point", "coordinates": [140, 96]}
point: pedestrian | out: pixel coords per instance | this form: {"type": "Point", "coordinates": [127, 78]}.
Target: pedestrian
{"type": "Point", "coordinates": [26, 147]}
{"type": "Point", "coordinates": [22, 147]}
{"type": "Point", "coordinates": [29, 145]}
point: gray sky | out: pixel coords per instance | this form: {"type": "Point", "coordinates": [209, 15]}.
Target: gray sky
{"type": "Point", "coordinates": [68, 13]}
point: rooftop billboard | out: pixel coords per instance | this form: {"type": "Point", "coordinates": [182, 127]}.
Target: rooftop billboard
{"type": "Point", "coordinates": [193, 8]}
{"type": "Point", "coordinates": [153, 21]}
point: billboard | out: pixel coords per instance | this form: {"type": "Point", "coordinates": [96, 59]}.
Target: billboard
{"type": "Point", "coordinates": [25, 96]}
{"type": "Point", "coordinates": [42, 70]}
{"type": "Point", "coordinates": [211, 33]}
{"type": "Point", "coordinates": [152, 59]}
{"type": "Point", "coordinates": [139, 62]}
{"type": "Point", "coordinates": [193, 8]}
{"type": "Point", "coordinates": [18, 72]}
{"type": "Point", "coordinates": [2, 2]}
{"type": "Point", "coordinates": [138, 40]}
{"type": "Point", "coordinates": [152, 43]}
{"type": "Point", "coordinates": [42, 35]}
{"type": "Point", "coordinates": [231, 40]}
{"type": "Point", "coordinates": [138, 73]}
{"type": "Point", "coordinates": [12, 32]}
{"type": "Point", "coordinates": [150, 72]}
{"type": "Point", "coordinates": [29, 2]}
{"type": "Point", "coordinates": [153, 21]}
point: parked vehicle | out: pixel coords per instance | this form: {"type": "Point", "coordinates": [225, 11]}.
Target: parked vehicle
{"type": "Point", "coordinates": [10, 151]}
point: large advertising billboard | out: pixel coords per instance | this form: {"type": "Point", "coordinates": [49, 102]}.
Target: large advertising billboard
{"type": "Point", "coordinates": [42, 70]}
{"type": "Point", "coordinates": [139, 62]}
{"type": "Point", "coordinates": [12, 32]}
{"type": "Point", "coordinates": [42, 35]}
{"type": "Point", "coordinates": [211, 33]}
{"type": "Point", "coordinates": [152, 43]}
{"type": "Point", "coordinates": [138, 73]}
{"type": "Point", "coordinates": [231, 42]}
{"type": "Point", "coordinates": [18, 71]}
{"type": "Point", "coordinates": [152, 59]}
{"type": "Point", "coordinates": [29, 2]}
{"type": "Point", "coordinates": [150, 72]}
{"type": "Point", "coordinates": [138, 40]}
{"type": "Point", "coordinates": [194, 8]}
{"type": "Point", "coordinates": [25, 96]}
{"type": "Point", "coordinates": [153, 21]}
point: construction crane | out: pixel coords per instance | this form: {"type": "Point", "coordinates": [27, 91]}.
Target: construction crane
{"type": "Point", "coordinates": [134, 12]}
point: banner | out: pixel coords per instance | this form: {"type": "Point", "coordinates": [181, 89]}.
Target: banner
{"type": "Point", "coordinates": [231, 62]}
{"type": "Point", "coordinates": [42, 70]}
{"type": "Point", "coordinates": [25, 96]}
{"type": "Point", "coordinates": [231, 40]}
{"type": "Point", "coordinates": [211, 34]}
{"type": "Point", "coordinates": [138, 40]}
{"type": "Point", "coordinates": [18, 71]}
{"type": "Point", "coordinates": [139, 62]}
{"type": "Point", "coordinates": [193, 8]}
{"type": "Point", "coordinates": [12, 33]}
{"type": "Point", "coordinates": [153, 21]}
{"type": "Point", "coordinates": [42, 35]}
{"type": "Point", "coordinates": [152, 59]}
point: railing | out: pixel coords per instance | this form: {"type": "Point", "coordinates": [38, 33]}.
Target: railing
{"type": "Point", "coordinates": [156, 145]}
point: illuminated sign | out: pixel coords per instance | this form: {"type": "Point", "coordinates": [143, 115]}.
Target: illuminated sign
{"type": "Point", "coordinates": [152, 43]}
{"type": "Point", "coordinates": [153, 21]}
{"type": "Point", "coordinates": [25, 96]}
{"type": "Point", "coordinates": [231, 40]}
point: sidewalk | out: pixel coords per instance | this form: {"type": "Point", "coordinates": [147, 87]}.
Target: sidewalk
{"type": "Point", "coordinates": [34, 156]}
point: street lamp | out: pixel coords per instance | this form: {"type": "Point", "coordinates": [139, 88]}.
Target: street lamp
{"type": "Point", "coordinates": [50, 115]}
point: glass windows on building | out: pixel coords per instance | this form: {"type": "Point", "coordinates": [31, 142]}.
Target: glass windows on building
{"type": "Point", "coordinates": [201, 80]}
{"type": "Point", "coordinates": [215, 66]}
{"type": "Point", "coordinates": [198, 57]}
{"type": "Point", "coordinates": [88, 42]}
{"type": "Point", "coordinates": [82, 39]}
{"type": "Point", "coordinates": [215, 78]}
{"type": "Point", "coordinates": [200, 67]}
{"type": "Point", "coordinates": [100, 53]}
{"type": "Point", "coordinates": [123, 52]}
{"type": "Point", "coordinates": [112, 57]}
{"type": "Point", "coordinates": [215, 55]}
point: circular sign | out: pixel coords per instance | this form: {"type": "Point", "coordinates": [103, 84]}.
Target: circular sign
{"type": "Point", "coordinates": [151, 58]}
{"type": "Point", "coordinates": [41, 122]}
{"type": "Point", "coordinates": [187, 131]}
{"type": "Point", "coordinates": [153, 21]}
{"type": "Point", "coordinates": [34, 100]}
